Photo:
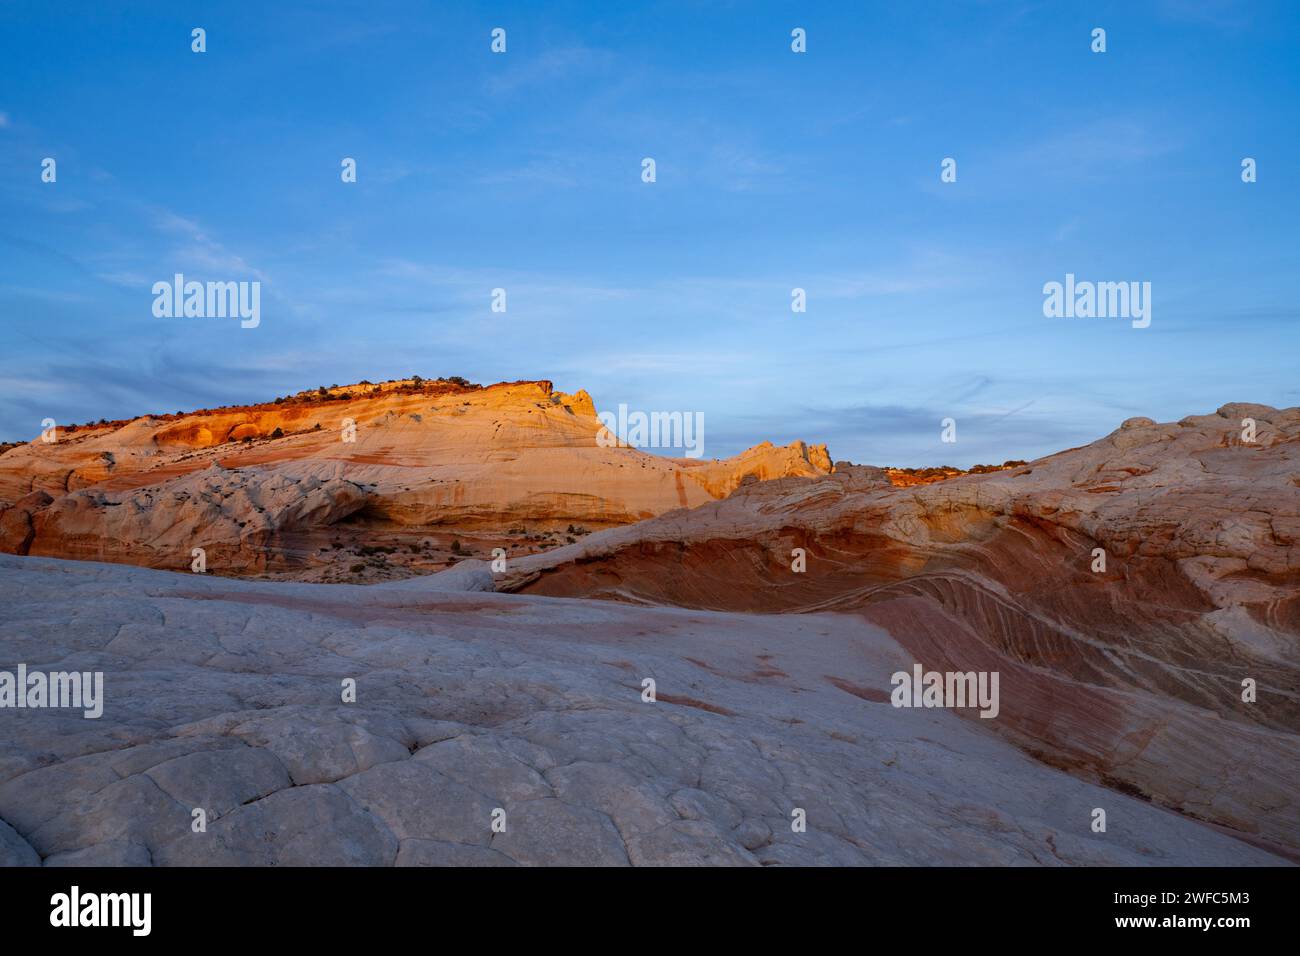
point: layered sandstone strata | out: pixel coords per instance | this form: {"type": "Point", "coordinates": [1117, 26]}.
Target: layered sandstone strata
{"type": "Point", "coordinates": [434, 455]}
{"type": "Point", "coordinates": [1131, 672]}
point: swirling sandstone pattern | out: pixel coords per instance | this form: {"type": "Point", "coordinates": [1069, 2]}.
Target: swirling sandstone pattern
{"type": "Point", "coordinates": [1131, 676]}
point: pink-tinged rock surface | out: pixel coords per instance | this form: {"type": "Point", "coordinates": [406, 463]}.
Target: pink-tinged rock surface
{"type": "Point", "coordinates": [1132, 676]}
{"type": "Point", "coordinates": [224, 695]}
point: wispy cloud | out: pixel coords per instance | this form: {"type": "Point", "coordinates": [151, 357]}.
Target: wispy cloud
{"type": "Point", "coordinates": [521, 69]}
{"type": "Point", "coordinates": [1232, 14]}
{"type": "Point", "coordinates": [1101, 147]}
{"type": "Point", "coordinates": [199, 251]}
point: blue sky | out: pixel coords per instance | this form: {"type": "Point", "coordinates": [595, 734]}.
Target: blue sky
{"type": "Point", "coordinates": [774, 170]}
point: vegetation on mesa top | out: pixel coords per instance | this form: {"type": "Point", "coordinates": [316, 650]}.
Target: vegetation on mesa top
{"type": "Point", "coordinates": [455, 384]}
{"type": "Point", "coordinates": [334, 393]}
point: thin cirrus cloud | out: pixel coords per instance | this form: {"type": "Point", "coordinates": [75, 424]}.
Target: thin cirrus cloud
{"type": "Point", "coordinates": [549, 66]}
{"type": "Point", "coordinates": [199, 250]}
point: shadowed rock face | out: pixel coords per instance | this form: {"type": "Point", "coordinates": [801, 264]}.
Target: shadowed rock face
{"type": "Point", "coordinates": [1131, 676]}
{"type": "Point", "coordinates": [224, 695]}
{"type": "Point", "coordinates": [237, 517]}
{"type": "Point", "coordinates": [441, 456]}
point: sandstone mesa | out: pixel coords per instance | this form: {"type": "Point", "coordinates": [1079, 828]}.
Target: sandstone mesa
{"type": "Point", "coordinates": [259, 487]}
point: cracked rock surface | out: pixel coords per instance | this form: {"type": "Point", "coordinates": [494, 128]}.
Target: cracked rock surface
{"type": "Point", "coordinates": [225, 696]}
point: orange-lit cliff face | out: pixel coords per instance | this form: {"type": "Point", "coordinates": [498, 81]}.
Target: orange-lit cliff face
{"type": "Point", "coordinates": [910, 477]}
{"type": "Point", "coordinates": [278, 484]}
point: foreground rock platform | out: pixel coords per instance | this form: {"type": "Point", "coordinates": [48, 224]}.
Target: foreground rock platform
{"type": "Point", "coordinates": [225, 695]}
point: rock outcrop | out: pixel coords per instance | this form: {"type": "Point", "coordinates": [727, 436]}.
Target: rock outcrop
{"type": "Point", "coordinates": [1131, 593]}
{"type": "Point", "coordinates": [437, 456]}
{"type": "Point", "coordinates": [238, 517]}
